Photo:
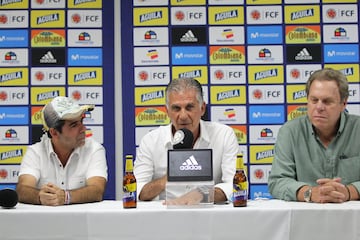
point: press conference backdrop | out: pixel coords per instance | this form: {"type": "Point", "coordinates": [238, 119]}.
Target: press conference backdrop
{"type": "Point", "coordinates": [252, 58]}
{"type": "Point", "coordinates": [51, 48]}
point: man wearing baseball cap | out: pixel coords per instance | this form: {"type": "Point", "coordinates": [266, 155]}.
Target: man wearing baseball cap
{"type": "Point", "coordinates": [64, 167]}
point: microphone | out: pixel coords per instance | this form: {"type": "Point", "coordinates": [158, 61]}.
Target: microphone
{"type": "Point", "coordinates": [8, 198]}
{"type": "Point", "coordinates": [183, 139]}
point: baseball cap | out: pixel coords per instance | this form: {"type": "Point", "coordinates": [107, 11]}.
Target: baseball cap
{"type": "Point", "coordinates": [62, 108]}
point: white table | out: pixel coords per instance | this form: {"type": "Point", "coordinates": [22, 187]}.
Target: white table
{"type": "Point", "coordinates": [261, 220]}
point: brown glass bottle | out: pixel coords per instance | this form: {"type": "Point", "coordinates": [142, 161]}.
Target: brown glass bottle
{"type": "Point", "coordinates": [129, 184]}
{"type": "Point", "coordinates": [240, 184]}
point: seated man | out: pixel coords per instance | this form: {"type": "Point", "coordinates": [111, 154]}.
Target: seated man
{"type": "Point", "coordinates": [64, 167]}
{"type": "Point", "coordinates": [185, 106]}
{"type": "Point", "coordinates": [317, 156]}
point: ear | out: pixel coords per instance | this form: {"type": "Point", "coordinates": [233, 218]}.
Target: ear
{"type": "Point", "coordinates": [203, 108]}
{"type": "Point", "coordinates": [345, 103]}
{"type": "Point", "coordinates": [53, 132]}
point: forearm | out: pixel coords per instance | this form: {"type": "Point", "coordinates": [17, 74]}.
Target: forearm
{"type": "Point", "coordinates": [219, 195]}
{"type": "Point", "coordinates": [28, 194]}
{"type": "Point", "coordinates": [354, 194]}
{"type": "Point", "coordinates": [89, 193]}
{"type": "Point", "coordinates": [152, 189]}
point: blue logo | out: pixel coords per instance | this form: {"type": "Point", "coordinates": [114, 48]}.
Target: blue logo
{"type": "Point", "coordinates": [14, 115]}
{"type": "Point", "coordinates": [259, 192]}
{"type": "Point", "coordinates": [341, 53]}
{"type": "Point", "coordinates": [189, 55]}
{"type": "Point", "coordinates": [14, 38]}
{"type": "Point", "coordinates": [85, 57]}
{"type": "Point", "coordinates": [268, 35]}
{"type": "Point", "coordinates": [267, 114]}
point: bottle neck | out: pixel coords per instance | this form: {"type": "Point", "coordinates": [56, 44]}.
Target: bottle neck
{"type": "Point", "coordinates": [129, 165]}
{"type": "Point", "coordinates": [239, 163]}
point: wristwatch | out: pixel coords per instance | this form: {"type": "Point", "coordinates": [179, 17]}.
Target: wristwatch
{"type": "Point", "coordinates": [307, 195]}
{"type": "Point", "coordinates": [205, 191]}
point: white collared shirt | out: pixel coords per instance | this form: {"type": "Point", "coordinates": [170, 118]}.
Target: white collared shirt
{"type": "Point", "coordinates": [86, 161]}
{"type": "Point", "coordinates": [151, 157]}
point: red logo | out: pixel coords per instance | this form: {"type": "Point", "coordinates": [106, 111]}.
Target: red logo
{"type": "Point", "coordinates": [219, 74]}
{"type": "Point", "coordinates": [76, 95]}
{"type": "Point", "coordinates": [257, 94]}
{"type": "Point", "coordinates": [3, 96]}
{"type": "Point", "coordinates": [143, 75]}
{"type": "Point", "coordinates": [39, 76]}
{"type": "Point", "coordinates": [259, 173]}
{"type": "Point", "coordinates": [255, 15]}
{"type": "Point", "coordinates": [295, 73]}
{"type": "Point", "coordinates": [3, 173]}
{"type": "Point", "coordinates": [179, 15]}
{"type": "Point", "coordinates": [331, 13]}
{"type": "Point", "coordinates": [76, 18]}
{"type": "Point", "coordinates": [3, 19]}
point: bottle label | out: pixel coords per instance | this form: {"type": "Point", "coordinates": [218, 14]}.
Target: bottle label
{"type": "Point", "coordinates": [240, 191]}
{"type": "Point", "coordinates": [240, 195]}
{"type": "Point", "coordinates": [240, 186]}
{"type": "Point", "coordinates": [131, 187]}
{"type": "Point", "coordinates": [129, 197]}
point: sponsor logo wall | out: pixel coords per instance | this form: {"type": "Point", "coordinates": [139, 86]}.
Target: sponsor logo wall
{"type": "Point", "coordinates": [48, 49]}
{"type": "Point", "coordinates": [252, 58]}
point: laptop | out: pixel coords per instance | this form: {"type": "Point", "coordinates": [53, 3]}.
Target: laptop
{"type": "Point", "coordinates": [189, 165]}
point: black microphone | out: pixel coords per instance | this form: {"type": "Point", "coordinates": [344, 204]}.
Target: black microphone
{"type": "Point", "coordinates": [8, 198]}
{"type": "Point", "coordinates": [183, 139]}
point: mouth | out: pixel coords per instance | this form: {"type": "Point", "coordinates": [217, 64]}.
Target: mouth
{"type": "Point", "coordinates": [319, 117]}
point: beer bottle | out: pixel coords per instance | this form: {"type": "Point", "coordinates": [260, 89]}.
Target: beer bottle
{"type": "Point", "coordinates": [240, 184]}
{"type": "Point", "coordinates": [129, 184]}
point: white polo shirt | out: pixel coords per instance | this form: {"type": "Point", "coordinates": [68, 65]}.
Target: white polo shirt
{"type": "Point", "coordinates": [85, 162]}
{"type": "Point", "coordinates": [151, 156]}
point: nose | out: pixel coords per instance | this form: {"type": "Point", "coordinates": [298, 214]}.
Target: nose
{"type": "Point", "coordinates": [320, 106]}
{"type": "Point", "coordinates": [183, 114]}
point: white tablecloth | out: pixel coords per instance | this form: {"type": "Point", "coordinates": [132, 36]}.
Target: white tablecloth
{"type": "Point", "coordinates": [261, 220]}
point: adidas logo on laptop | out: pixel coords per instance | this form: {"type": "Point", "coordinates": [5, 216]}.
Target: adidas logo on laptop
{"type": "Point", "coordinates": [190, 164]}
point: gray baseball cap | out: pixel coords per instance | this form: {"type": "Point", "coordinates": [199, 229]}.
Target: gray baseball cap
{"type": "Point", "coordinates": [62, 108]}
